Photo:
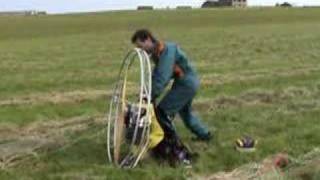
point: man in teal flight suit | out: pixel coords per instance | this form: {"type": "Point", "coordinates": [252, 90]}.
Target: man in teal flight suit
{"type": "Point", "coordinates": [172, 63]}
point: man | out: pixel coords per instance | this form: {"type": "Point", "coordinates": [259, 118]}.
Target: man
{"type": "Point", "coordinates": [172, 63]}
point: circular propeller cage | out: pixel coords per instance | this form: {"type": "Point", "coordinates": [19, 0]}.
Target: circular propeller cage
{"type": "Point", "coordinates": [129, 117]}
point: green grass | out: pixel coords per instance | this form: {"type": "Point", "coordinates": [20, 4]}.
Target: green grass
{"type": "Point", "coordinates": [239, 53]}
{"type": "Point", "coordinates": [24, 114]}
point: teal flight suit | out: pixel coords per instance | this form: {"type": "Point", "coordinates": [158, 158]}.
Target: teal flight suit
{"type": "Point", "coordinates": [180, 96]}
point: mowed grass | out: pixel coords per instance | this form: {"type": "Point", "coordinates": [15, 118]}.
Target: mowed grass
{"type": "Point", "coordinates": [259, 70]}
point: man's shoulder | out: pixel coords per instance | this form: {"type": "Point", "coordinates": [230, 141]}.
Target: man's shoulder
{"type": "Point", "coordinates": [170, 50]}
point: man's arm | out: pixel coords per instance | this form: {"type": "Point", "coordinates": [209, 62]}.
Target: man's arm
{"type": "Point", "coordinates": [181, 53]}
{"type": "Point", "coordinates": [163, 71]}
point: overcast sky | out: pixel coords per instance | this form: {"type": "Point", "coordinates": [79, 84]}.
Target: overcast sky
{"type": "Point", "coordinates": [62, 6]}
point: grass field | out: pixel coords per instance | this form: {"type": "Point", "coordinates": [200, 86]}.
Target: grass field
{"type": "Point", "coordinates": [259, 70]}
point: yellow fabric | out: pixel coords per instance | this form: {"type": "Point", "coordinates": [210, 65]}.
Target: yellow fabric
{"type": "Point", "coordinates": [156, 132]}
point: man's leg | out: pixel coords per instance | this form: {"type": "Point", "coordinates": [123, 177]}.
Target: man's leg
{"type": "Point", "coordinates": [193, 123]}
{"type": "Point", "coordinates": [169, 106]}
{"type": "Point", "coordinates": [171, 146]}
{"type": "Point", "coordinates": [165, 121]}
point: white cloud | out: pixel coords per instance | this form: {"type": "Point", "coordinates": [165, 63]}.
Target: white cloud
{"type": "Point", "coordinates": [58, 6]}
{"type": "Point", "coordinates": [294, 2]}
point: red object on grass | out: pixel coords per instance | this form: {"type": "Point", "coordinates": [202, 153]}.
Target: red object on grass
{"type": "Point", "coordinates": [281, 161]}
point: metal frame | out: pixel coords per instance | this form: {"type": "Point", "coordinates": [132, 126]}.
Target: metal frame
{"type": "Point", "coordinates": [117, 155]}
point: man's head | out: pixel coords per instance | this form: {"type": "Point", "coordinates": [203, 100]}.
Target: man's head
{"type": "Point", "coordinates": [144, 39]}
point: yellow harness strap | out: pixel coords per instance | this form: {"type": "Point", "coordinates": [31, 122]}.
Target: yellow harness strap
{"type": "Point", "coordinates": [156, 132]}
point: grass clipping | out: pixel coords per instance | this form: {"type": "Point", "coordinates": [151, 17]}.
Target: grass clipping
{"type": "Point", "coordinates": [37, 138]}
{"type": "Point", "coordinates": [279, 166]}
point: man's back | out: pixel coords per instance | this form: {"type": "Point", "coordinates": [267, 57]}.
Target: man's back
{"type": "Point", "coordinates": [172, 62]}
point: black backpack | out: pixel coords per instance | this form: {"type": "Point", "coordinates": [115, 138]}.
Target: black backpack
{"type": "Point", "coordinates": [174, 151]}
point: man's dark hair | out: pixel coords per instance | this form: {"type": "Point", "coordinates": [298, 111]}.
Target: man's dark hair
{"type": "Point", "coordinates": [142, 35]}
